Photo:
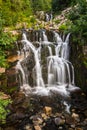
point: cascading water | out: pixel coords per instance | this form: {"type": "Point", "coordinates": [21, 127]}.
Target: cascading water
{"type": "Point", "coordinates": [36, 51]}
{"type": "Point", "coordinates": [44, 36]}
{"type": "Point", "coordinates": [59, 73]}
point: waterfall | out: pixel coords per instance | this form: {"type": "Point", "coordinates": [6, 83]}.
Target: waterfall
{"type": "Point", "coordinates": [44, 36]}
{"type": "Point", "coordinates": [59, 72]}
{"type": "Point", "coordinates": [36, 52]}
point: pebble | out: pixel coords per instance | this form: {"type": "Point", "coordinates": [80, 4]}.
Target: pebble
{"type": "Point", "coordinates": [73, 126]}
{"type": "Point", "coordinates": [59, 121]}
{"type": "Point", "coordinates": [27, 127]}
{"type": "Point", "coordinates": [85, 122]}
{"type": "Point", "coordinates": [44, 116]}
{"type": "Point", "coordinates": [60, 128]}
{"type": "Point", "coordinates": [37, 120]}
{"type": "Point", "coordinates": [48, 110]}
{"type": "Point", "coordinates": [37, 127]}
{"type": "Point", "coordinates": [74, 115]}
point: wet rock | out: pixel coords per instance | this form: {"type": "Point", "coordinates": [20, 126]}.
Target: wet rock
{"type": "Point", "coordinates": [48, 110]}
{"type": "Point", "coordinates": [12, 82]}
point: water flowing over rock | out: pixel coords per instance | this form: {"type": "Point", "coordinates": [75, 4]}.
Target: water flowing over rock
{"type": "Point", "coordinates": [46, 98]}
{"type": "Point", "coordinates": [54, 60]}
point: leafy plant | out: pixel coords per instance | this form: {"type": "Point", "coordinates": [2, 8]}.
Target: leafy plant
{"type": "Point", "coordinates": [63, 27]}
{"type": "Point", "coordinates": [6, 40]}
{"type": "Point", "coordinates": [57, 21]}
{"type": "Point", "coordinates": [78, 16]}
{"type": "Point", "coordinates": [44, 5]}
{"type": "Point", "coordinates": [3, 111]}
{"type": "Point", "coordinates": [58, 5]}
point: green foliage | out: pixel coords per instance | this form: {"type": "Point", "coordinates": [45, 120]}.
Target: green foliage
{"type": "Point", "coordinates": [78, 16]}
{"type": "Point", "coordinates": [14, 10]}
{"type": "Point", "coordinates": [6, 40]}
{"type": "Point", "coordinates": [2, 59]}
{"type": "Point", "coordinates": [41, 5]}
{"type": "Point", "coordinates": [85, 61]}
{"type": "Point", "coordinates": [3, 111]}
{"type": "Point", "coordinates": [32, 20]}
{"type": "Point", "coordinates": [58, 5]}
{"type": "Point", "coordinates": [63, 27]}
{"type": "Point", "coordinates": [57, 21]}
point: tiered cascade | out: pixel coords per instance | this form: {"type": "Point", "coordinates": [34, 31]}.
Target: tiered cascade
{"type": "Point", "coordinates": [59, 72]}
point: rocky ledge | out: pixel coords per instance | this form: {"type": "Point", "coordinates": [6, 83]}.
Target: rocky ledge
{"type": "Point", "coordinates": [47, 113]}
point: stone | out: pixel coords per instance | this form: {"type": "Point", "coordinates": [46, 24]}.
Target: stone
{"type": "Point", "coordinates": [76, 117]}
{"type": "Point", "coordinates": [2, 70]}
{"type": "Point", "coordinates": [60, 128]}
{"type": "Point", "coordinates": [59, 121]}
{"type": "Point", "coordinates": [85, 122]}
{"type": "Point", "coordinates": [27, 127]}
{"type": "Point", "coordinates": [36, 119]}
{"type": "Point", "coordinates": [44, 116]}
{"type": "Point", "coordinates": [73, 126]}
{"type": "Point", "coordinates": [73, 110]}
{"type": "Point", "coordinates": [48, 110]}
{"type": "Point", "coordinates": [37, 127]}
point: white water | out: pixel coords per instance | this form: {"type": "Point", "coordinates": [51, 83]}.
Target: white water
{"type": "Point", "coordinates": [60, 72]}
{"type": "Point", "coordinates": [39, 79]}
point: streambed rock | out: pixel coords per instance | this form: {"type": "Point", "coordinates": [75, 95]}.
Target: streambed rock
{"type": "Point", "coordinates": [27, 113]}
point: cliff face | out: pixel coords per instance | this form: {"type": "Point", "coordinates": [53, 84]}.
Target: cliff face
{"type": "Point", "coordinates": [79, 60]}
